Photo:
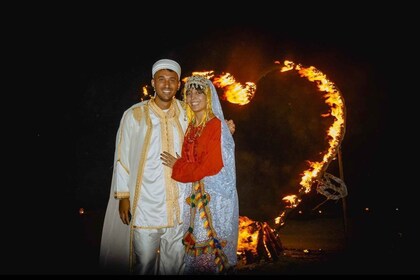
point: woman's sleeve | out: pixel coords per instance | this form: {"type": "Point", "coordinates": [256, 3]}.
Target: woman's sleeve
{"type": "Point", "coordinates": [209, 162]}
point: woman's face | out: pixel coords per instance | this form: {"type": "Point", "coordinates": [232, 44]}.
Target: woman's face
{"type": "Point", "coordinates": [197, 100]}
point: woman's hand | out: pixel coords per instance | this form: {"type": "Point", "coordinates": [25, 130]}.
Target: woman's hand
{"type": "Point", "coordinates": [168, 159]}
{"type": "Point", "coordinates": [231, 126]}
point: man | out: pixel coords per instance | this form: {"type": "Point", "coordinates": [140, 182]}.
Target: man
{"type": "Point", "coordinates": [143, 195]}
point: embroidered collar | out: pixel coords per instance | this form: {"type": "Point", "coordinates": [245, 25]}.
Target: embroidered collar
{"type": "Point", "coordinates": [172, 112]}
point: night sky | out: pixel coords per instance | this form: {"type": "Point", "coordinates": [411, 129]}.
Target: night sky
{"type": "Point", "coordinates": [99, 70]}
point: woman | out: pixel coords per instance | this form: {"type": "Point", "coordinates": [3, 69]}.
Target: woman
{"type": "Point", "coordinates": [208, 162]}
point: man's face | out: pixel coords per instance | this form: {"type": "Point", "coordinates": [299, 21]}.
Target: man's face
{"type": "Point", "coordinates": [166, 83]}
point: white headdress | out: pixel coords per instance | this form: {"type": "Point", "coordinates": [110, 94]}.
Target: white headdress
{"type": "Point", "coordinates": [227, 176]}
{"type": "Point", "coordinates": [166, 64]}
{"type": "Point", "coordinates": [224, 182]}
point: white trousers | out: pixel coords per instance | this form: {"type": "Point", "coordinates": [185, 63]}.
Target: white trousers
{"type": "Point", "coordinates": [159, 251]}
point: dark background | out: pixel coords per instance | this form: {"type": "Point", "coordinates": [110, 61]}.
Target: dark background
{"type": "Point", "coordinates": [95, 71]}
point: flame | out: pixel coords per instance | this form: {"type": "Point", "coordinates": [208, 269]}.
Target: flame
{"type": "Point", "coordinates": [256, 240]}
{"type": "Point", "coordinates": [248, 235]}
{"type": "Point", "coordinates": [292, 200]}
{"type": "Point", "coordinates": [206, 74]}
{"type": "Point", "coordinates": [145, 92]}
{"type": "Point", "coordinates": [235, 92]}
{"type": "Point", "coordinates": [335, 132]}
{"type": "Point", "coordinates": [280, 219]}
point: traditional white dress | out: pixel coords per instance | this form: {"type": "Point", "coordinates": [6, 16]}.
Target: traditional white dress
{"type": "Point", "coordinates": [156, 199]}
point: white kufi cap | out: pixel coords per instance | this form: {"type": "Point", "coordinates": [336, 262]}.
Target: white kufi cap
{"type": "Point", "coordinates": [166, 64]}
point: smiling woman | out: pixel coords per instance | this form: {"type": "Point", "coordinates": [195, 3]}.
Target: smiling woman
{"type": "Point", "coordinates": [207, 165]}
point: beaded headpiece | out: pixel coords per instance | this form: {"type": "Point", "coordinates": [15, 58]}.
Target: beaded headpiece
{"type": "Point", "coordinates": [197, 82]}
{"type": "Point", "coordinates": [202, 84]}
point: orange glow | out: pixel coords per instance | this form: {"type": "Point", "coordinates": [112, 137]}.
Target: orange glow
{"type": "Point", "coordinates": [248, 235]}
{"type": "Point", "coordinates": [235, 92]}
{"type": "Point", "coordinates": [292, 200]}
{"type": "Point", "coordinates": [257, 240]}
{"type": "Point", "coordinates": [145, 93]}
